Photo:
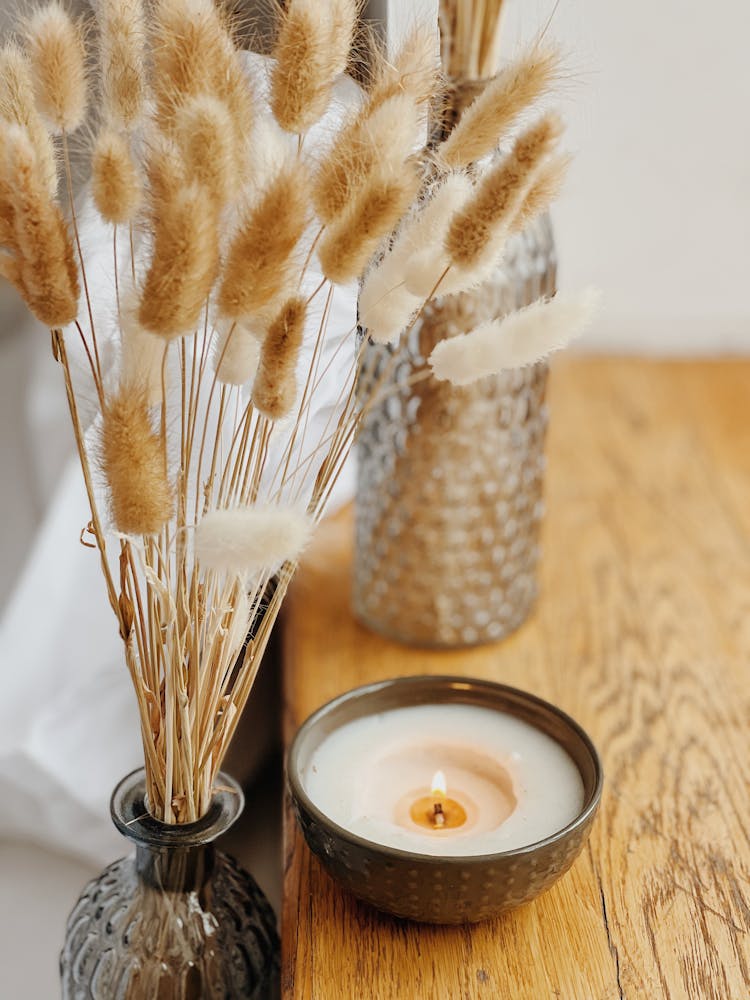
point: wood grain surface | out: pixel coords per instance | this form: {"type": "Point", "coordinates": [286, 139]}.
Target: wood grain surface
{"type": "Point", "coordinates": [642, 633]}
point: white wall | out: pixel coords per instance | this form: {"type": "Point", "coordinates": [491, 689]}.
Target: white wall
{"type": "Point", "coordinates": [657, 208]}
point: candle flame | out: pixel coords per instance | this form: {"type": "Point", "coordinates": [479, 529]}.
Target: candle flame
{"type": "Point", "coordinates": [439, 785]}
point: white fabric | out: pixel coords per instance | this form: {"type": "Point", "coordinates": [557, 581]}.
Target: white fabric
{"type": "Point", "coordinates": [68, 722]}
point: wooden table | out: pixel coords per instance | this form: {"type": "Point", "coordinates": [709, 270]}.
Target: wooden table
{"type": "Point", "coordinates": [643, 634]}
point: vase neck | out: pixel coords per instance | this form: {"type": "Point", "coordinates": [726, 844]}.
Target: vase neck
{"type": "Point", "coordinates": [175, 869]}
{"type": "Point", "coordinates": [175, 857]}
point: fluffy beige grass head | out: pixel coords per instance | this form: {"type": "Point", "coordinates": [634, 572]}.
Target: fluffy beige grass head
{"type": "Point", "coordinates": [261, 253]}
{"type": "Point", "coordinates": [115, 182]}
{"type": "Point", "coordinates": [44, 269]}
{"type": "Point", "coordinates": [55, 45]}
{"type": "Point", "coordinates": [414, 70]}
{"type": "Point", "coordinates": [133, 461]}
{"type": "Point", "coordinates": [17, 105]}
{"type": "Point", "coordinates": [478, 231]}
{"type": "Point", "coordinates": [194, 54]}
{"type": "Point", "coordinates": [122, 45]}
{"type": "Point", "coordinates": [355, 236]}
{"type": "Point", "coordinates": [312, 50]}
{"type": "Point", "coordinates": [141, 353]}
{"type": "Point", "coordinates": [377, 140]}
{"type": "Point", "coordinates": [544, 190]}
{"type": "Point", "coordinates": [250, 539]}
{"type": "Point", "coordinates": [486, 122]}
{"type": "Point", "coordinates": [275, 387]}
{"type": "Point", "coordinates": [520, 339]}
{"type": "Point", "coordinates": [207, 141]}
{"type": "Point", "coordinates": [184, 263]}
{"type": "Point", "coordinates": [236, 353]}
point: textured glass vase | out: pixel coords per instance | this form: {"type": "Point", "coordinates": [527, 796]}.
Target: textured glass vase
{"type": "Point", "coordinates": [449, 488]}
{"type": "Point", "coordinates": [177, 920]}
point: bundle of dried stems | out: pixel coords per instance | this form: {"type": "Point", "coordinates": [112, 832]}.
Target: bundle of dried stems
{"type": "Point", "coordinates": [471, 37]}
{"type": "Point", "coordinates": [198, 540]}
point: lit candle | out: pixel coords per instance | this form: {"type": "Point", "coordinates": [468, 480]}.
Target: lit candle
{"type": "Point", "coordinates": [436, 811]}
{"type": "Point", "coordinates": [445, 779]}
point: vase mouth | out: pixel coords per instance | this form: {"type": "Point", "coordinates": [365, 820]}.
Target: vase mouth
{"type": "Point", "coordinates": [130, 814]}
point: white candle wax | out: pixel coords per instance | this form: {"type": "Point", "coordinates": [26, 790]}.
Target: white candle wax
{"type": "Point", "coordinates": [516, 784]}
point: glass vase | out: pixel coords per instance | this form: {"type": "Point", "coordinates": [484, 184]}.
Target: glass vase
{"type": "Point", "coordinates": [450, 479]}
{"type": "Point", "coordinates": [176, 920]}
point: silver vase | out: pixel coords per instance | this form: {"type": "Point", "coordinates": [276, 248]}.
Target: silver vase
{"type": "Point", "coordinates": [449, 489]}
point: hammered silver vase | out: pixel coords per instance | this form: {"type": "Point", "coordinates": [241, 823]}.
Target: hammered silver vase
{"type": "Point", "coordinates": [450, 479]}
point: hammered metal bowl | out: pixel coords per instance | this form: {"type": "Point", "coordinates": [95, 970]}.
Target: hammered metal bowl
{"type": "Point", "coordinates": [437, 890]}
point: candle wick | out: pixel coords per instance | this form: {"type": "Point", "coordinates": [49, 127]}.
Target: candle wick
{"type": "Point", "coordinates": [438, 816]}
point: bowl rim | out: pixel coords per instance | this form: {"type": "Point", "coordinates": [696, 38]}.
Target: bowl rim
{"type": "Point", "coordinates": [446, 682]}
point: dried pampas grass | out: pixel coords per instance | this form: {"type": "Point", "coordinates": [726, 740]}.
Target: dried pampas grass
{"type": "Point", "coordinates": [486, 122]}
{"type": "Point", "coordinates": [415, 71]}
{"type": "Point", "coordinates": [17, 106]}
{"type": "Point", "coordinates": [521, 339]}
{"type": "Point", "coordinates": [312, 50]}
{"type": "Point", "coordinates": [207, 139]}
{"type": "Point", "coordinates": [133, 460]}
{"type": "Point", "coordinates": [275, 387]}
{"type": "Point", "coordinates": [44, 270]}
{"type": "Point", "coordinates": [184, 263]}
{"type": "Point", "coordinates": [378, 140]}
{"type": "Point", "coordinates": [415, 266]}
{"type": "Point", "coordinates": [115, 183]}
{"type": "Point", "coordinates": [386, 306]}
{"type": "Point", "coordinates": [478, 232]}
{"type": "Point", "coordinates": [354, 237]}
{"type": "Point", "coordinates": [470, 31]}
{"type": "Point", "coordinates": [421, 247]}
{"type": "Point", "coordinates": [57, 53]}
{"type": "Point", "coordinates": [222, 251]}
{"type": "Point", "coordinates": [189, 51]}
{"type": "Point", "coordinates": [260, 255]}
{"type": "Point", "coordinates": [122, 40]}
{"type": "Point", "coordinates": [544, 190]}
{"type": "Point", "coordinates": [165, 170]}
{"type": "Point", "coordinates": [250, 539]}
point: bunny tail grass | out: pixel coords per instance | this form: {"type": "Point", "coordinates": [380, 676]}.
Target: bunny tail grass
{"type": "Point", "coordinates": [521, 339]}
{"type": "Point", "coordinates": [311, 51]}
{"type": "Point", "coordinates": [122, 44]}
{"type": "Point", "coordinates": [44, 269]}
{"type": "Point", "coordinates": [261, 252]}
{"type": "Point", "coordinates": [184, 263]}
{"type": "Point", "coordinates": [115, 184]}
{"type": "Point", "coordinates": [142, 354]}
{"type": "Point", "coordinates": [275, 388]}
{"type": "Point", "coordinates": [486, 122]}
{"type": "Point", "coordinates": [132, 459]}
{"type": "Point", "coordinates": [477, 233]}
{"type": "Point", "coordinates": [354, 237]}
{"type": "Point", "coordinates": [17, 105]}
{"type": "Point", "coordinates": [55, 46]}
{"type": "Point", "coordinates": [249, 539]}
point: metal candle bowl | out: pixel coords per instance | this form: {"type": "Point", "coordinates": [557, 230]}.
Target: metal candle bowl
{"type": "Point", "coordinates": [443, 890]}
